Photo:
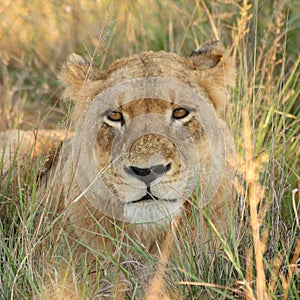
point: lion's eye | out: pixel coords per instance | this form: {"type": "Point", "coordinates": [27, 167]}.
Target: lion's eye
{"type": "Point", "coordinates": [115, 116]}
{"type": "Point", "coordinates": [180, 113]}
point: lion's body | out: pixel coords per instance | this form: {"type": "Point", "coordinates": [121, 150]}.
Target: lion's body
{"type": "Point", "coordinates": [208, 73]}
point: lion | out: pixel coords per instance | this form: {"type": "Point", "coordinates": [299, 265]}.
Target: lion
{"type": "Point", "coordinates": [149, 141]}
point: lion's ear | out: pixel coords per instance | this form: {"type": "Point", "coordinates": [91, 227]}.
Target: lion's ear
{"type": "Point", "coordinates": [79, 80]}
{"type": "Point", "coordinates": [216, 72]}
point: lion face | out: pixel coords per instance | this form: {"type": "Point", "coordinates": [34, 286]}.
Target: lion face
{"type": "Point", "coordinates": [149, 132]}
{"type": "Point", "coordinates": [149, 174]}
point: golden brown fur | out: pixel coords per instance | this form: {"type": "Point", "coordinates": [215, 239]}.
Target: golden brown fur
{"type": "Point", "coordinates": [208, 71]}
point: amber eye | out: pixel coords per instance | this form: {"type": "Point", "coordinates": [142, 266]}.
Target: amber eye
{"type": "Point", "coordinates": [180, 113]}
{"type": "Point", "coordinates": [115, 116]}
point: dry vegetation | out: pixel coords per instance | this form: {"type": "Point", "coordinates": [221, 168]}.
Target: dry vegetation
{"type": "Point", "coordinates": [261, 261]}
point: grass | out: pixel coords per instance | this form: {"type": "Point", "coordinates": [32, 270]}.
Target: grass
{"type": "Point", "coordinates": [261, 259]}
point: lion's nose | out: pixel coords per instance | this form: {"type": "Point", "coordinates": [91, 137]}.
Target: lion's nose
{"type": "Point", "coordinates": [147, 175]}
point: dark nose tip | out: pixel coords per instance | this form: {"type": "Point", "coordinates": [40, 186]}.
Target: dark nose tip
{"type": "Point", "coordinates": [147, 175]}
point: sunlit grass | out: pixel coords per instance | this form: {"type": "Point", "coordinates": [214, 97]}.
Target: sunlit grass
{"type": "Point", "coordinates": [260, 260]}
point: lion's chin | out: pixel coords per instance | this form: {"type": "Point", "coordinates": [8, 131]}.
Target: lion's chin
{"type": "Point", "coordinates": [147, 210]}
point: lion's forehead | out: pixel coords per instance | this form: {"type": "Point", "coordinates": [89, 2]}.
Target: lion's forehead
{"type": "Point", "coordinates": [150, 63]}
{"type": "Point", "coordinates": [146, 106]}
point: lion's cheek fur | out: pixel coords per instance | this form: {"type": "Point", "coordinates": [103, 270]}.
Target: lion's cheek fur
{"type": "Point", "coordinates": [99, 232]}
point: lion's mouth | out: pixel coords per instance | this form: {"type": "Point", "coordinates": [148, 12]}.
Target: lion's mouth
{"type": "Point", "coordinates": [147, 197]}
{"type": "Point", "coordinates": [150, 197]}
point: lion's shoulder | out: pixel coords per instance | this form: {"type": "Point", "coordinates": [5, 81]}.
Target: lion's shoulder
{"type": "Point", "coordinates": [23, 148]}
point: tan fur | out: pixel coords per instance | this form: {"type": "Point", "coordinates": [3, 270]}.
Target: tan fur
{"type": "Point", "coordinates": [209, 71]}
{"type": "Point", "coordinates": [21, 148]}
{"type": "Point", "coordinates": [213, 71]}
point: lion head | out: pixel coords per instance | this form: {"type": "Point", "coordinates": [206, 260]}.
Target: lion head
{"type": "Point", "coordinates": [150, 134]}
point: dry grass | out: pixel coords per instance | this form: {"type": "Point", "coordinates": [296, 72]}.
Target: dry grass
{"type": "Point", "coordinates": [261, 260]}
